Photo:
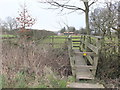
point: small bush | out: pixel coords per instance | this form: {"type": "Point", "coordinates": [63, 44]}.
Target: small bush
{"type": "Point", "coordinates": [108, 66]}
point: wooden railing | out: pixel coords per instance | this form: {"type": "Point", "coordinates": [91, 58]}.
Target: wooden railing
{"type": "Point", "coordinates": [89, 47]}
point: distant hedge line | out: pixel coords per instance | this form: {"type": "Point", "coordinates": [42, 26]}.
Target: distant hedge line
{"type": "Point", "coordinates": [33, 34]}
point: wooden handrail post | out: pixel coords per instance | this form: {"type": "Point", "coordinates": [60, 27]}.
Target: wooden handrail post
{"type": "Point", "coordinates": [83, 43]}
{"type": "Point", "coordinates": [98, 45]}
{"type": "Point", "coordinates": [88, 41]}
{"type": "Point", "coordinates": [70, 42]}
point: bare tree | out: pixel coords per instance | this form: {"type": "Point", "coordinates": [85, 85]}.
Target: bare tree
{"type": "Point", "coordinates": [65, 4]}
{"type": "Point", "coordinates": [3, 25]}
{"type": "Point", "coordinates": [63, 30]}
{"type": "Point", "coordinates": [103, 19]}
{"type": "Point", "coordinates": [10, 23]}
{"type": "Point", "coordinates": [108, 18]}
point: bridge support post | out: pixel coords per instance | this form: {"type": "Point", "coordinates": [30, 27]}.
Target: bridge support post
{"type": "Point", "coordinates": [96, 58]}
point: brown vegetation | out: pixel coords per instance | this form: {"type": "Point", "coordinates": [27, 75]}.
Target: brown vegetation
{"type": "Point", "coordinates": [31, 59]}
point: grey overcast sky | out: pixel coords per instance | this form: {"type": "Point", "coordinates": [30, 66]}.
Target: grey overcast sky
{"type": "Point", "coordinates": [46, 19]}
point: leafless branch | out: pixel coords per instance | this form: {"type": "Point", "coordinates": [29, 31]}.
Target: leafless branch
{"type": "Point", "coordinates": [91, 4]}
{"type": "Point", "coordinates": [57, 4]}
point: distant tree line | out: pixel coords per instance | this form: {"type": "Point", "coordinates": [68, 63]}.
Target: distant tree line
{"type": "Point", "coordinates": [102, 21]}
{"type": "Point", "coordinates": [72, 29]}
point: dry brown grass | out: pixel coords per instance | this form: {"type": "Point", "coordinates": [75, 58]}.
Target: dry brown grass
{"type": "Point", "coordinates": [31, 59]}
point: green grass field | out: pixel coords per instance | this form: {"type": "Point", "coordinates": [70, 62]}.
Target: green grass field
{"type": "Point", "coordinates": [57, 41]}
{"type": "Point", "coordinates": [7, 36]}
{"type": "Point", "coordinates": [60, 40]}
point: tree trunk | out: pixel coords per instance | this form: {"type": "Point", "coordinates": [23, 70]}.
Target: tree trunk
{"type": "Point", "coordinates": [87, 17]}
{"type": "Point", "coordinates": [87, 22]}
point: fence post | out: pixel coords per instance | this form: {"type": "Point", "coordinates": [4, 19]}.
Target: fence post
{"type": "Point", "coordinates": [83, 43]}
{"type": "Point", "coordinates": [88, 41]}
{"type": "Point", "coordinates": [70, 42]}
{"type": "Point", "coordinates": [52, 41]}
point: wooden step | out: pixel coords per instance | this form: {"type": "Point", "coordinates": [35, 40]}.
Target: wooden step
{"type": "Point", "coordinates": [82, 72]}
{"type": "Point", "coordinates": [79, 60]}
{"type": "Point", "coordinates": [76, 41]}
{"type": "Point", "coordinates": [76, 50]}
{"type": "Point", "coordinates": [76, 46]}
{"type": "Point", "coordinates": [83, 53]}
{"type": "Point", "coordinates": [75, 37]}
{"type": "Point", "coordinates": [84, 66]}
{"type": "Point", "coordinates": [84, 75]}
{"type": "Point", "coordinates": [85, 85]}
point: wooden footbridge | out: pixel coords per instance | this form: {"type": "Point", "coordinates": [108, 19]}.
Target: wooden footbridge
{"type": "Point", "coordinates": [84, 55]}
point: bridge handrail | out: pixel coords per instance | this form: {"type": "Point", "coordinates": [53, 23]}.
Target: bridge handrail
{"type": "Point", "coordinates": [86, 46]}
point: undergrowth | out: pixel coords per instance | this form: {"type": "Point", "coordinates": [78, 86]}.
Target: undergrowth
{"type": "Point", "coordinates": [49, 80]}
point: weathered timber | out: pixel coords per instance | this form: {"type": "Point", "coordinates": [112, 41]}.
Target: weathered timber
{"type": "Point", "coordinates": [72, 61]}
{"type": "Point", "coordinates": [90, 59]}
{"type": "Point", "coordinates": [76, 41]}
{"type": "Point", "coordinates": [82, 73]}
{"type": "Point", "coordinates": [76, 46]}
{"type": "Point", "coordinates": [84, 66]}
{"type": "Point", "coordinates": [85, 85]}
{"type": "Point", "coordinates": [95, 64]}
{"type": "Point", "coordinates": [87, 53]}
{"type": "Point", "coordinates": [72, 58]}
{"type": "Point", "coordinates": [92, 47]}
{"type": "Point", "coordinates": [75, 37]}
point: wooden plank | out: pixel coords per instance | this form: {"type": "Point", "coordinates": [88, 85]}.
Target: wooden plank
{"type": "Point", "coordinates": [82, 73]}
{"type": "Point", "coordinates": [84, 66]}
{"type": "Point", "coordinates": [95, 64]}
{"type": "Point", "coordinates": [76, 50]}
{"type": "Point", "coordinates": [85, 85]}
{"type": "Point", "coordinates": [90, 60]}
{"type": "Point", "coordinates": [72, 59]}
{"type": "Point", "coordinates": [92, 47]}
{"type": "Point", "coordinates": [72, 65]}
{"type": "Point", "coordinates": [76, 46]}
{"type": "Point", "coordinates": [76, 41]}
{"type": "Point", "coordinates": [75, 37]}
{"type": "Point", "coordinates": [87, 53]}
{"type": "Point", "coordinates": [79, 60]}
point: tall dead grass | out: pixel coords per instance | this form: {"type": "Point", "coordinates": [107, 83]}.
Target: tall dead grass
{"type": "Point", "coordinates": [30, 59]}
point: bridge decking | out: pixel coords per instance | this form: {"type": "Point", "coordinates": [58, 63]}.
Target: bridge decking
{"type": "Point", "coordinates": [80, 68]}
{"type": "Point", "coordinates": [82, 72]}
{"type": "Point", "coordinates": [85, 85]}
